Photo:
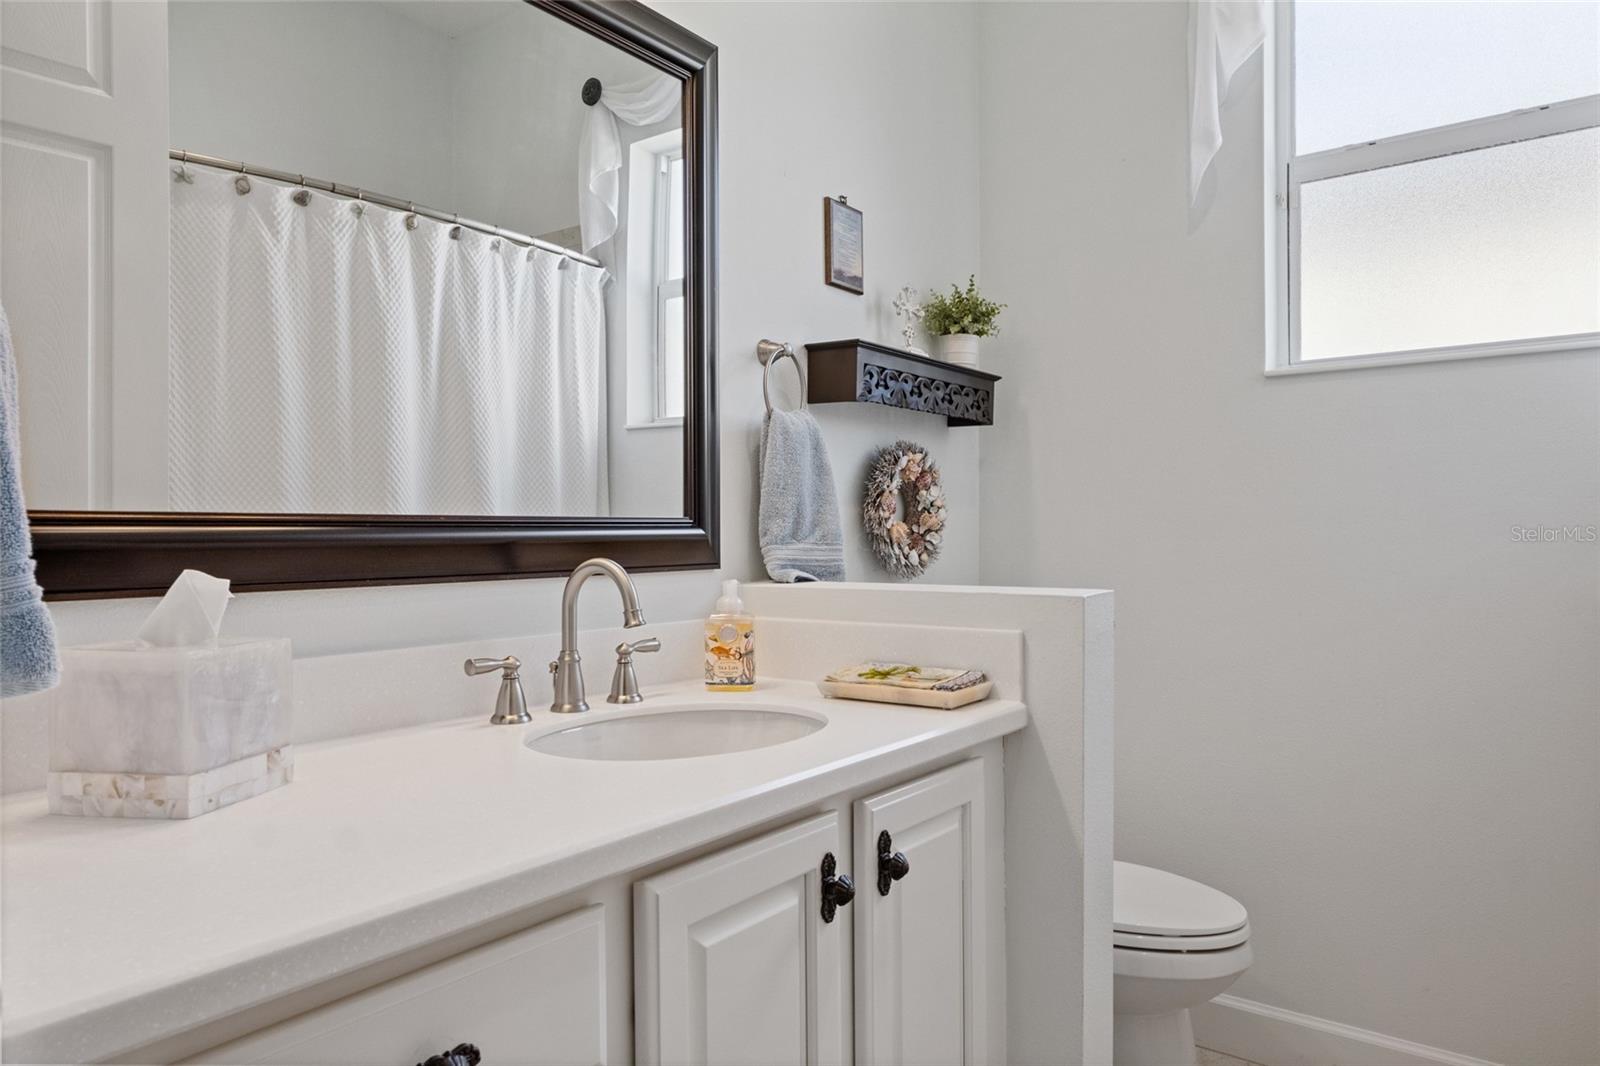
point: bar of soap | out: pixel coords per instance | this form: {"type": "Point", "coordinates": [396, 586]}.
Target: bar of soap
{"type": "Point", "coordinates": [944, 687]}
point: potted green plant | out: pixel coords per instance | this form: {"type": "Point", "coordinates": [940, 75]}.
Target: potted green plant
{"type": "Point", "coordinates": [959, 319]}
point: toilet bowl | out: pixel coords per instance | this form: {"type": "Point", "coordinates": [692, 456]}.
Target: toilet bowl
{"type": "Point", "coordinates": [1175, 944]}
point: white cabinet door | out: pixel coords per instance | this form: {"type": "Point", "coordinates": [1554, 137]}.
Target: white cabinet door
{"type": "Point", "coordinates": [921, 941]}
{"type": "Point", "coordinates": [83, 236]}
{"type": "Point", "coordinates": [535, 997]}
{"type": "Point", "coordinates": [733, 961]}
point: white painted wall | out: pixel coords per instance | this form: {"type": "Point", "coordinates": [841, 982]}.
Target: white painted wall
{"type": "Point", "coordinates": [348, 92]}
{"type": "Point", "coordinates": [475, 110]}
{"type": "Point", "coordinates": [518, 115]}
{"type": "Point", "coordinates": [835, 121]}
{"type": "Point", "coordinates": [1345, 694]}
{"type": "Point", "coordinates": [819, 99]}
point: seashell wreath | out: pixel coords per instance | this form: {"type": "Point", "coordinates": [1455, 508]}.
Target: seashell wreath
{"type": "Point", "coordinates": [903, 472]}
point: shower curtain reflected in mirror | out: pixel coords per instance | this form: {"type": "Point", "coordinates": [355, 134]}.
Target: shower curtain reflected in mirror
{"type": "Point", "coordinates": [329, 358]}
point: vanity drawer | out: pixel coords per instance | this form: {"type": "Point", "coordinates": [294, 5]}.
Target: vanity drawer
{"type": "Point", "coordinates": [535, 997]}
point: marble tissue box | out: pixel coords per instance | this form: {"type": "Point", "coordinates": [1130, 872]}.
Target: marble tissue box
{"type": "Point", "coordinates": [138, 731]}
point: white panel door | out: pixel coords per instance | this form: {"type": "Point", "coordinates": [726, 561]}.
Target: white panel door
{"type": "Point", "coordinates": [83, 246]}
{"type": "Point", "coordinates": [734, 964]}
{"type": "Point", "coordinates": [535, 997]}
{"type": "Point", "coordinates": [921, 941]}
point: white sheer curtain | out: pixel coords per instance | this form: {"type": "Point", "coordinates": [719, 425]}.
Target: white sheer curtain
{"type": "Point", "coordinates": [1222, 35]}
{"type": "Point", "coordinates": [600, 149]}
{"type": "Point", "coordinates": [326, 359]}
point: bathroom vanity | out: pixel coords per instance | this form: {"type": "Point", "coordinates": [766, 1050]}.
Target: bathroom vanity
{"type": "Point", "coordinates": [836, 895]}
{"type": "Point", "coordinates": [630, 884]}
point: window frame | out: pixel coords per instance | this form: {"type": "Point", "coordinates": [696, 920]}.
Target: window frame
{"type": "Point", "coordinates": [662, 288]}
{"type": "Point", "coordinates": [1286, 173]}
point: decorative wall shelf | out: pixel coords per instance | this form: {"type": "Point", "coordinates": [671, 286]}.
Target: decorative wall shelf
{"type": "Point", "coordinates": [858, 371]}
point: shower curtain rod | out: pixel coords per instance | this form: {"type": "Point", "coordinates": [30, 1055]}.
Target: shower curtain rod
{"type": "Point", "coordinates": [367, 196]}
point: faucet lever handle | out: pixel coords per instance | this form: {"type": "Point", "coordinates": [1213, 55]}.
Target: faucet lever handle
{"type": "Point", "coordinates": [647, 644]}
{"type": "Point", "coordinates": [511, 705]}
{"type": "Point", "coordinates": [508, 666]}
{"type": "Point", "coordinates": [624, 682]}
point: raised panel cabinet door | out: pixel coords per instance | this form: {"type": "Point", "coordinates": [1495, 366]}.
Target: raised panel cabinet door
{"type": "Point", "coordinates": [84, 188]}
{"type": "Point", "coordinates": [921, 940]}
{"type": "Point", "coordinates": [535, 998]}
{"type": "Point", "coordinates": [734, 963]}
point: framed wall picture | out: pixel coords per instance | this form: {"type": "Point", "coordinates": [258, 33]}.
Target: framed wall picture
{"type": "Point", "coordinates": [841, 233]}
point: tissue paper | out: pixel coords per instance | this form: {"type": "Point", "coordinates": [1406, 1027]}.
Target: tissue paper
{"type": "Point", "coordinates": [190, 612]}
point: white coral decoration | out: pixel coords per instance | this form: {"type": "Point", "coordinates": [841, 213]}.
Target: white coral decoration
{"type": "Point", "coordinates": [903, 473]}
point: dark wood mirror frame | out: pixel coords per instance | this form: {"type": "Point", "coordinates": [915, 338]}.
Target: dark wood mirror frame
{"type": "Point", "coordinates": [95, 554]}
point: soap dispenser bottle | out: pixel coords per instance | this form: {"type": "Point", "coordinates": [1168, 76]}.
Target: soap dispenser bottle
{"type": "Point", "coordinates": [730, 644]}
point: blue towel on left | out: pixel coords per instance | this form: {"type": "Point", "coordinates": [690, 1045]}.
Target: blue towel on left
{"type": "Point", "coordinates": [27, 637]}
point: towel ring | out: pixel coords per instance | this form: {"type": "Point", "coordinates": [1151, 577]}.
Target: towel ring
{"type": "Point", "coordinates": [770, 352]}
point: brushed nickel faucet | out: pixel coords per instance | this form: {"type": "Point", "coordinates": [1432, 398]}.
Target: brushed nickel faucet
{"type": "Point", "coordinates": [510, 707]}
{"type": "Point", "coordinates": [624, 682]}
{"type": "Point", "coordinates": [568, 668]}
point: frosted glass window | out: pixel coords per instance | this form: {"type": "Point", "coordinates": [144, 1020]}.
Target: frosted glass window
{"type": "Point", "coordinates": [674, 205]}
{"type": "Point", "coordinates": [671, 369]}
{"type": "Point", "coordinates": [1493, 245]}
{"type": "Point", "coordinates": [1366, 70]}
{"type": "Point", "coordinates": [671, 335]}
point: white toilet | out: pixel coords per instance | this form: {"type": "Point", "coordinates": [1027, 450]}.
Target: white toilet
{"type": "Point", "coordinates": [1176, 944]}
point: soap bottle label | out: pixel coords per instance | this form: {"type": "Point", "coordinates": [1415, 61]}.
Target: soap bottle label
{"type": "Point", "coordinates": [730, 654]}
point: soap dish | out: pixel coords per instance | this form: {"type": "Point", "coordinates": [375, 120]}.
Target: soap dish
{"type": "Point", "coordinates": [941, 687]}
{"type": "Point", "coordinates": [910, 697]}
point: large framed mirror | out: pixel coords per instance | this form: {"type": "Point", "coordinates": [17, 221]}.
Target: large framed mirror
{"type": "Point", "coordinates": [439, 300]}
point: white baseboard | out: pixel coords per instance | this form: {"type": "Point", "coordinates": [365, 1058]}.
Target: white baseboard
{"type": "Point", "coordinates": [1278, 1037]}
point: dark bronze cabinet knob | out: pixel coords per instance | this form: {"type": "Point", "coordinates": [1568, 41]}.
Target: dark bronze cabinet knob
{"type": "Point", "coordinates": [892, 865]}
{"type": "Point", "coordinates": [837, 889]}
{"type": "Point", "coordinates": [460, 1055]}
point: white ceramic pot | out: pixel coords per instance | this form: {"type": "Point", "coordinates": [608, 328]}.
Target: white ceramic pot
{"type": "Point", "coordinates": [959, 348]}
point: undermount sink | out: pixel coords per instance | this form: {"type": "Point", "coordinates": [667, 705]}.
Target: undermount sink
{"type": "Point", "coordinates": [678, 733]}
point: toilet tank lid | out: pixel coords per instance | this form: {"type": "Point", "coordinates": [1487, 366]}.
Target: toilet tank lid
{"type": "Point", "coordinates": [1155, 902]}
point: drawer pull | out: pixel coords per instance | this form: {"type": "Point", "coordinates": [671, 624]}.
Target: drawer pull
{"type": "Point", "coordinates": [460, 1055]}
{"type": "Point", "coordinates": [836, 891]}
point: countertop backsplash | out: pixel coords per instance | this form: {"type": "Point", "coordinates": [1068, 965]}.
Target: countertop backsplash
{"type": "Point", "coordinates": [338, 696]}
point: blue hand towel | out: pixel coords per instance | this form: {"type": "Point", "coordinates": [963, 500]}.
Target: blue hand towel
{"type": "Point", "coordinates": [798, 520]}
{"type": "Point", "coordinates": [27, 637]}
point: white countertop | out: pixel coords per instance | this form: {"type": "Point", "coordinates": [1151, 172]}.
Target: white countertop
{"type": "Point", "coordinates": [116, 933]}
